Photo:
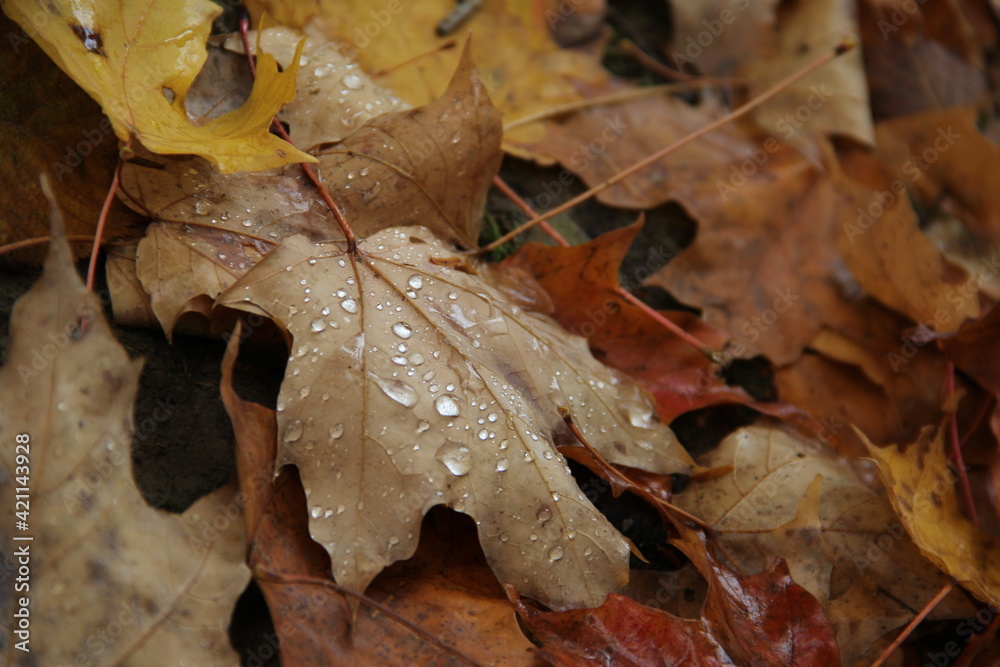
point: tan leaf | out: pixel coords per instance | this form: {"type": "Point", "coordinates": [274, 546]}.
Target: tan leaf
{"type": "Point", "coordinates": [413, 382]}
{"type": "Point", "coordinates": [788, 497]}
{"type": "Point", "coordinates": [334, 95]}
{"type": "Point", "coordinates": [921, 486]}
{"type": "Point", "coordinates": [112, 581]}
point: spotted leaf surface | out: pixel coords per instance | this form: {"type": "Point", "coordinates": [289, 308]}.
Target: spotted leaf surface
{"type": "Point", "coordinates": [413, 382]}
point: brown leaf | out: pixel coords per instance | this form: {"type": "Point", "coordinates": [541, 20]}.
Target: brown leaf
{"type": "Point", "coordinates": [581, 282]}
{"type": "Point", "coordinates": [334, 95]}
{"type": "Point", "coordinates": [787, 497]}
{"type": "Point", "coordinates": [453, 398]}
{"type": "Point", "coordinates": [49, 125]}
{"type": "Point", "coordinates": [761, 619]}
{"type": "Point", "coordinates": [398, 169]}
{"type": "Point", "coordinates": [883, 247]}
{"type": "Point", "coordinates": [921, 485]}
{"type": "Point", "coordinates": [112, 580]}
{"type": "Point", "coordinates": [446, 587]}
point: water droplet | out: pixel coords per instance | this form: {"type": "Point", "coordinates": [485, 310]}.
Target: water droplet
{"type": "Point", "coordinates": [416, 358]}
{"type": "Point", "coordinates": [547, 453]}
{"type": "Point", "coordinates": [304, 392]}
{"type": "Point", "coordinates": [353, 81]}
{"type": "Point", "coordinates": [293, 431]}
{"type": "Point", "coordinates": [533, 537]}
{"type": "Point", "coordinates": [316, 512]}
{"type": "Point", "coordinates": [555, 554]}
{"type": "Point", "coordinates": [483, 434]}
{"type": "Point", "coordinates": [350, 305]}
{"type": "Point", "coordinates": [402, 329]}
{"type": "Point", "coordinates": [202, 207]}
{"type": "Point", "coordinates": [502, 465]}
{"type": "Point", "coordinates": [341, 509]}
{"type": "Point", "coordinates": [504, 536]}
{"type": "Point", "coordinates": [364, 171]}
{"type": "Point", "coordinates": [336, 431]}
{"type": "Point", "coordinates": [555, 496]}
{"type": "Point", "coordinates": [318, 325]}
{"type": "Point", "coordinates": [456, 458]}
{"type": "Point", "coordinates": [415, 281]}
{"type": "Point", "coordinates": [422, 426]}
{"type": "Point", "coordinates": [447, 405]}
{"type": "Point", "coordinates": [393, 540]}
{"type": "Point", "coordinates": [492, 417]}
{"type": "Point", "coordinates": [398, 391]}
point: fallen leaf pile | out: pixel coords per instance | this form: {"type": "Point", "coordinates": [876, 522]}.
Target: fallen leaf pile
{"type": "Point", "coordinates": [515, 462]}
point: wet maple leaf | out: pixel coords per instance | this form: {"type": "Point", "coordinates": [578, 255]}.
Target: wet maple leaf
{"type": "Point", "coordinates": [448, 393]}
{"type": "Point", "coordinates": [398, 169]}
{"type": "Point", "coordinates": [103, 563]}
{"type": "Point", "coordinates": [138, 60]}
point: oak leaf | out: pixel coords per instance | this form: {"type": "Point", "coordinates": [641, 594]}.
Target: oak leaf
{"type": "Point", "coordinates": [413, 382]}
{"type": "Point", "coordinates": [102, 562]}
{"type": "Point", "coordinates": [138, 61]}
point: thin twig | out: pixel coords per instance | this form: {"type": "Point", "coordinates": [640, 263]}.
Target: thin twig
{"type": "Point", "coordinates": [956, 448]}
{"type": "Point", "coordinates": [99, 233]}
{"type": "Point", "coordinates": [928, 608]}
{"type": "Point", "coordinates": [844, 47]}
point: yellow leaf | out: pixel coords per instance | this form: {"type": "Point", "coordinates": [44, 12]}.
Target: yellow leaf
{"type": "Point", "coordinates": [139, 57]}
{"type": "Point", "coordinates": [921, 485]}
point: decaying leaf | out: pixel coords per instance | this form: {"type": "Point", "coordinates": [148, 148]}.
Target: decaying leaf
{"type": "Point", "coordinates": [760, 619]}
{"type": "Point", "coordinates": [921, 485]}
{"type": "Point", "coordinates": [112, 581]}
{"type": "Point", "coordinates": [453, 398]}
{"type": "Point", "coordinates": [788, 497]}
{"type": "Point", "coordinates": [398, 169]}
{"type": "Point", "coordinates": [138, 61]}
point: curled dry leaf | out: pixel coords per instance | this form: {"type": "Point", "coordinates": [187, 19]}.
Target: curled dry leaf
{"type": "Point", "coordinates": [138, 62]}
{"type": "Point", "coordinates": [102, 562]}
{"type": "Point", "coordinates": [413, 382]}
{"type": "Point", "coordinates": [921, 485]}
{"type": "Point", "coordinates": [399, 169]}
{"type": "Point", "coordinates": [788, 497]}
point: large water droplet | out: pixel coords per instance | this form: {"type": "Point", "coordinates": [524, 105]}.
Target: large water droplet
{"type": "Point", "coordinates": [316, 512]}
{"type": "Point", "coordinates": [398, 391]}
{"type": "Point", "coordinates": [202, 207]}
{"type": "Point", "coordinates": [353, 81]}
{"type": "Point", "coordinates": [502, 465]}
{"type": "Point", "coordinates": [422, 426]}
{"type": "Point", "coordinates": [543, 514]}
{"type": "Point", "coordinates": [402, 329]}
{"type": "Point", "coordinates": [504, 536]}
{"type": "Point", "coordinates": [293, 431]}
{"type": "Point", "coordinates": [350, 305]}
{"type": "Point", "coordinates": [456, 458]}
{"type": "Point", "coordinates": [336, 431]}
{"type": "Point", "coordinates": [555, 554]}
{"type": "Point", "coordinates": [447, 405]}
{"type": "Point", "coordinates": [415, 281]}
{"type": "Point", "coordinates": [318, 325]}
